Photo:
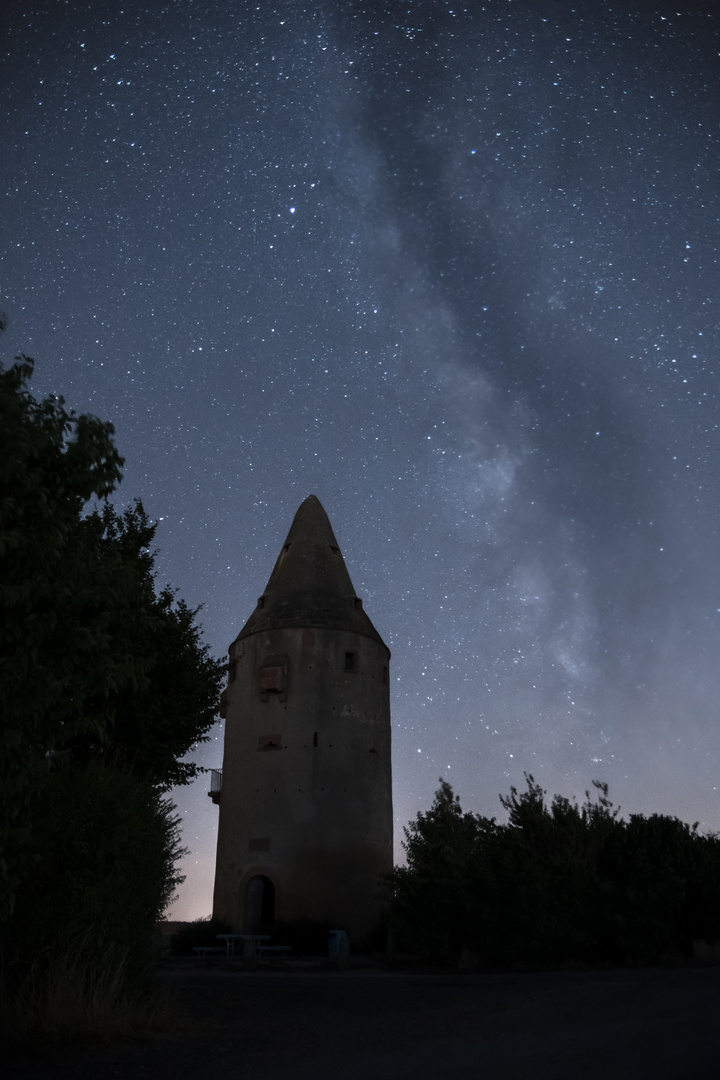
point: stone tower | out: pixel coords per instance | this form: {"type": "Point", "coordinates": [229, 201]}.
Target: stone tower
{"type": "Point", "coordinates": [305, 828]}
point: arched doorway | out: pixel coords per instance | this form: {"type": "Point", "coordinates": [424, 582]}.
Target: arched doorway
{"type": "Point", "coordinates": [259, 906]}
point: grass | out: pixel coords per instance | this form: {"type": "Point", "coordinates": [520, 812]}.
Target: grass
{"type": "Point", "coordinates": [71, 997]}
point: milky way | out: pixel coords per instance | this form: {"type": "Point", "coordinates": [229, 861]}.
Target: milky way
{"type": "Point", "coordinates": [454, 269]}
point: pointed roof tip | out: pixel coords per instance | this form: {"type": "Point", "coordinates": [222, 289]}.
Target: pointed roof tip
{"type": "Point", "coordinates": [310, 585]}
{"type": "Point", "coordinates": [311, 504]}
{"type": "Point", "coordinates": [311, 524]}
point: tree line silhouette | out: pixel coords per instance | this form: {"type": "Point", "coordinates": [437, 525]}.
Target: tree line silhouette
{"type": "Point", "coordinates": [558, 883]}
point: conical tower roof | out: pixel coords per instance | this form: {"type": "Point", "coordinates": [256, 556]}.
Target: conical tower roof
{"type": "Point", "coordinates": [310, 586]}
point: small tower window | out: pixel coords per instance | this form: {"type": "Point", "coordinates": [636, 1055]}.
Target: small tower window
{"type": "Point", "coordinates": [350, 661]}
{"type": "Point", "coordinates": [314, 738]}
{"type": "Point", "coordinates": [272, 678]}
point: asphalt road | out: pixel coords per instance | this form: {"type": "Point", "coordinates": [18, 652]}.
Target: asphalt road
{"type": "Point", "coordinates": [354, 1025]}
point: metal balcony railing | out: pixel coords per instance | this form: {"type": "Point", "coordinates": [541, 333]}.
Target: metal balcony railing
{"type": "Point", "coordinates": [215, 785]}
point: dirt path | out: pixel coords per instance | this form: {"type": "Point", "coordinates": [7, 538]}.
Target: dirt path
{"type": "Point", "coordinates": [355, 1025]}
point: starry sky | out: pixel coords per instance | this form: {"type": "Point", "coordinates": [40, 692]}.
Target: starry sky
{"type": "Point", "coordinates": [451, 267]}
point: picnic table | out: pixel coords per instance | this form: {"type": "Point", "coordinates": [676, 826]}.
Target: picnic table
{"type": "Point", "coordinates": [250, 943]}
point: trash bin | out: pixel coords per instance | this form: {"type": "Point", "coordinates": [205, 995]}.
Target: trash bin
{"type": "Point", "coordinates": [339, 947]}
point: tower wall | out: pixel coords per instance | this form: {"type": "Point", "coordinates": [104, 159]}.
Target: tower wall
{"type": "Point", "coordinates": [306, 794]}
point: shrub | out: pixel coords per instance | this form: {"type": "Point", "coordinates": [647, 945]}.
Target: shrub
{"type": "Point", "coordinates": [307, 937]}
{"type": "Point", "coordinates": [107, 844]}
{"type": "Point", "coordinates": [201, 932]}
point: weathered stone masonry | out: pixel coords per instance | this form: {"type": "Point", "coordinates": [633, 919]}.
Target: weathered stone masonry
{"type": "Point", "coordinates": [305, 826]}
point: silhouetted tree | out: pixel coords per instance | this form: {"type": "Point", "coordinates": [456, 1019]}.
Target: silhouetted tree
{"type": "Point", "coordinates": [105, 686]}
{"type": "Point", "coordinates": [442, 896]}
{"type": "Point", "coordinates": [55, 648]}
{"type": "Point", "coordinates": [168, 699]}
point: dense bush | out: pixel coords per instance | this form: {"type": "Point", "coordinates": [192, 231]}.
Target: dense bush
{"type": "Point", "coordinates": [109, 844]}
{"type": "Point", "coordinates": [307, 937]}
{"type": "Point", "coordinates": [201, 932]}
{"type": "Point", "coordinates": [558, 883]}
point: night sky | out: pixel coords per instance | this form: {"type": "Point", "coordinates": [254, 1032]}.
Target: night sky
{"type": "Point", "coordinates": [453, 268]}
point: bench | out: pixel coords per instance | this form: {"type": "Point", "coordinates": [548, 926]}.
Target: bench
{"type": "Point", "coordinates": [278, 950]}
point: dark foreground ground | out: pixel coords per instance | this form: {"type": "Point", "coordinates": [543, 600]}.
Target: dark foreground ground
{"type": "Point", "coordinates": [379, 1025]}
